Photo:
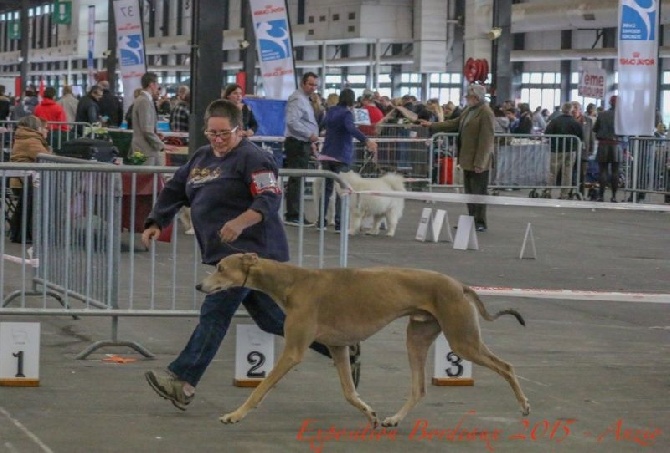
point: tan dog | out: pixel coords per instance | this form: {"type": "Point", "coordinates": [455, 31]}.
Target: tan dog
{"type": "Point", "coordinates": [340, 307]}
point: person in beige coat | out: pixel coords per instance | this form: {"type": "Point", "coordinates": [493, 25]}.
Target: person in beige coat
{"type": "Point", "coordinates": [145, 118]}
{"type": "Point", "coordinates": [475, 147]}
{"type": "Point", "coordinates": [29, 141]}
{"type": "Point", "coordinates": [69, 104]}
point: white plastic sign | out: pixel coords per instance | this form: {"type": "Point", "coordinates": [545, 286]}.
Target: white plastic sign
{"type": "Point", "coordinates": [19, 353]}
{"type": "Point", "coordinates": [449, 366]}
{"type": "Point", "coordinates": [254, 354]}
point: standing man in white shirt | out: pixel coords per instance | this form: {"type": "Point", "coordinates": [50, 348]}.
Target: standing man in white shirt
{"type": "Point", "coordinates": [302, 133]}
{"type": "Point", "coordinates": [145, 138]}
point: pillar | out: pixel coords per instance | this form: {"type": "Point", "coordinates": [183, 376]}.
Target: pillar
{"type": "Point", "coordinates": [111, 47]}
{"type": "Point", "coordinates": [609, 42]}
{"type": "Point", "coordinates": [206, 64]}
{"type": "Point", "coordinates": [25, 44]}
{"type": "Point", "coordinates": [566, 66]}
{"type": "Point", "coordinates": [502, 70]}
{"type": "Point", "coordinates": [249, 56]}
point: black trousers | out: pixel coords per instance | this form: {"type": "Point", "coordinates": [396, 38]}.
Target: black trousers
{"type": "Point", "coordinates": [476, 184]}
{"type": "Point", "coordinates": [335, 167]}
{"type": "Point", "coordinates": [16, 222]}
{"type": "Point", "coordinates": [297, 157]}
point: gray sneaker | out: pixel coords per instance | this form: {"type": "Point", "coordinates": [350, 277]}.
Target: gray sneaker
{"type": "Point", "coordinates": [355, 361]}
{"type": "Point", "coordinates": [166, 385]}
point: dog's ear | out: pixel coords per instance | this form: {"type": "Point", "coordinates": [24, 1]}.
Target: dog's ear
{"type": "Point", "coordinates": [250, 259]}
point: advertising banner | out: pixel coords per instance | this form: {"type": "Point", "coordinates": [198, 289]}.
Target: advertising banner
{"type": "Point", "coordinates": [130, 47]}
{"type": "Point", "coordinates": [90, 65]}
{"type": "Point", "coordinates": [638, 67]}
{"type": "Point", "coordinates": [592, 83]}
{"type": "Point", "coordinates": [274, 47]}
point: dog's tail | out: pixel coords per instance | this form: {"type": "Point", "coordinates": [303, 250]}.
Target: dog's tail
{"type": "Point", "coordinates": [396, 181]}
{"type": "Point", "coordinates": [474, 297]}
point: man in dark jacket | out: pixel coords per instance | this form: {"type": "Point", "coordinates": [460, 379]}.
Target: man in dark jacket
{"type": "Point", "coordinates": [563, 149]}
{"type": "Point", "coordinates": [4, 104]}
{"type": "Point", "coordinates": [110, 106]}
{"type": "Point", "coordinates": [88, 109]}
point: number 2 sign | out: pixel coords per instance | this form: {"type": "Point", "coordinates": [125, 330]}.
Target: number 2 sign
{"type": "Point", "coordinates": [254, 355]}
{"type": "Point", "coordinates": [450, 369]}
{"type": "Point", "coordinates": [20, 354]}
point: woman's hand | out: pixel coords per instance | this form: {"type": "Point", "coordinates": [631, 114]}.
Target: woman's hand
{"type": "Point", "coordinates": [150, 234]}
{"type": "Point", "coordinates": [231, 230]}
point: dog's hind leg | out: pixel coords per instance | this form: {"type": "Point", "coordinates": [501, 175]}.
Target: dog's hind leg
{"type": "Point", "coordinates": [421, 333]}
{"type": "Point", "coordinates": [478, 353]}
{"type": "Point", "coordinates": [340, 355]}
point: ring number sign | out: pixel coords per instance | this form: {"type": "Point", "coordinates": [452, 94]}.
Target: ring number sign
{"type": "Point", "coordinates": [450, 369]}
{"type": "Point", "coordinates": [254, 355]}
{"type": "Point", "coordinates": [20, 354]}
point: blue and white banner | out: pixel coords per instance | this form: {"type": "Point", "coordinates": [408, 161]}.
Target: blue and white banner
{"type": "Point", "coordinates": [638, 67]}
{"type": "Point", "coordinates": [90, 64]}
{"type": "Point", "coordinates": [130, 47]}
{"type": "Point", "coordinates": [274, 47]}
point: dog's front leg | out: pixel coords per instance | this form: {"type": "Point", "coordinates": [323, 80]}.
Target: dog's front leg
{"type": "Point", "coordinates": [340, 355]}
{"type": "Point", "coordinates": [298, 335]}
{"type": "Point", "coordinates": [284, 364]}
{"type": "Point", "coordinates": [356, 220]}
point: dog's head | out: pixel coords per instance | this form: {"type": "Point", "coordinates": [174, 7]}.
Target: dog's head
{"type": "Point", "coordinates": [231, 271]}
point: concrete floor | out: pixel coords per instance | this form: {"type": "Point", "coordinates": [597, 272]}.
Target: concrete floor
{"type": "Point", "coordinates": [596, 373]}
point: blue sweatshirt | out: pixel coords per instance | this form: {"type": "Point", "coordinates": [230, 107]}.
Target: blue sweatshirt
{"type": "Point", "coordinates": [340, 130]}
{"type": "Point", "coordinates": [219, 189]}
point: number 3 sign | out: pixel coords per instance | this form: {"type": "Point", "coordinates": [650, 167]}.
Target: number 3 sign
{"type": "Point", "coordinates": [20, 354]}
{"type": "Point", "coordinates": [450, 369]}
{"type": "Point", "coordinates": [254, 355]}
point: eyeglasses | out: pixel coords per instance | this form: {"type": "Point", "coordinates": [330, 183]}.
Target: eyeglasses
{"type": "Point", "coordinates": [220, 134]}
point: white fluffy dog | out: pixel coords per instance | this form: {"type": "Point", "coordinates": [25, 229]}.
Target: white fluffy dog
{"type": "Point", "coordinates": [378, 208]}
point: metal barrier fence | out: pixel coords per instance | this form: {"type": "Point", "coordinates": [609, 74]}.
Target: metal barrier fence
{"type": "Point", "coordinates": [518, 162]}
{"type": "Point", "coordinates": [58, 134]}
{"type": "Point", "coordinates": [402, 149]}
{"type": "Point", "coordinates": [538, 163]}
{"type": "Point", "coordinates": [83, 250]}
{"type": "Point", "coordinates": [646, 167]}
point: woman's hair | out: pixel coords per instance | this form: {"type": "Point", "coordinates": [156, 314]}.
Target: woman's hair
{"type": "Point", "coordinates": [347, 97]}
{"type": "Point", "coordinates": [229, 89]}
{"type": "Point", "coordinates": [332, 99]}
{"type": "Point", "coordinates": [67, 89]}
{"type": "Point", "coordinates": [315, 100]}
{"type": "Point", "coordinates": [222, 108]}
{"type": "Point", "coordinates": [31, 122]}
{"type": "Point", "coordinates": [49, 92]}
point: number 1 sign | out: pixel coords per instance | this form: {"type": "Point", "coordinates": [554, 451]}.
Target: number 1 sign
{"type": "Point", "coordinates": [450, 369]}
{"type": "Point", "coordinates": [20, 354]}
{"type": "Point", "coordinates": [254, 355]}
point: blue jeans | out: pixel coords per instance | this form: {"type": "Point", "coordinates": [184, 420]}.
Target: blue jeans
{"type": "Point", "coordinates": [216, 312]}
